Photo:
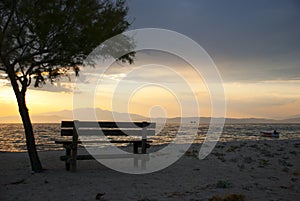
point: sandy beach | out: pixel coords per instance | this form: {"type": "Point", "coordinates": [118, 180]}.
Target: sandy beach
{"type": "Point", "coordinates": [255, 170]}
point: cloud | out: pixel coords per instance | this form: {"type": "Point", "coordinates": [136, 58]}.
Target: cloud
{"type": "Point", "coordinates": [55, 87]}
{"type": "Point", "coordinates": [267, 107]}
{"type": "Point", "coordinates": [249, 41]}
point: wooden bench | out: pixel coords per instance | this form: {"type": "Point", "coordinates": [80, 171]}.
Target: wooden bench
{"type": "Point", "coordinates": [69, 130]}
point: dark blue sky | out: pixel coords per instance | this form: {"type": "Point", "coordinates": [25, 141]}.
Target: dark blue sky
{"type": "Point", "coordinates": [249, 40]}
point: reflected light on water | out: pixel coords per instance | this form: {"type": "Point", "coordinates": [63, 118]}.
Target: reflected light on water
{"type": "Point", "coordinates": [12, 138]}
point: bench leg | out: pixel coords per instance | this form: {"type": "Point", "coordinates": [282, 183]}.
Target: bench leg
{"type": "Point", "coordinates": [74, 148]}
{"type": "Point", "coordinates": [135, 151]}
{"type": "Point", "coordinates": [144, 151]}
{"type": "Point", "coordinates": [68, 155]}
{"type": "Point", "coordinates": [144, 146]}
{"type": "Point", "coordinates": [74, 159]}
{"type": "Point", "coordinates": [135, 147]}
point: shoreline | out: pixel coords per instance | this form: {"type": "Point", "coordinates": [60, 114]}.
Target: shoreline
{"type": "Point", "coordinates": [259, 170]}
{"type": "Point", "coordinates": [196, 144]}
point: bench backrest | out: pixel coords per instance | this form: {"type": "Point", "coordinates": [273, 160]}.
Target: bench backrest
{"type": "Point", "coordinates": [108, 128]}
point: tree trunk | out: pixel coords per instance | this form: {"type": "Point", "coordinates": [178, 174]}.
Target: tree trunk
{"type": "Point", "coordinates": [36, 165]}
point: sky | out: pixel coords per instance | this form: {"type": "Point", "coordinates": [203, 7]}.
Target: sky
{"type": "Point", "coordinates": [254, 44]}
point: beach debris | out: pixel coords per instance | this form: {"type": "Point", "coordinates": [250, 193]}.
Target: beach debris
{"type": "Point", "coordinates": [229, 197]}
{"type": "Point", "coordinates": [21, 181]}
{"type": "Point", "coordinates": [294, 179]}
{"type": "Point", "coordinates": [192, 153]}
{"type": "Point", "coordinates": [280, 149]}
{"type": "Point", "coordinates": [232, 148]}
{"type": "Point", "coordinates": [297, 145]}
{"type": "Point", "coordinates": [99, 196]}
{"type": "Point", "coordinates": [220, 156]}
{"type": "Point", "coordinates": [241, 166]}
{"type": "Point", "coordinates": [273, 178]}
{"type": "Point", "coordinates": [285, 169]}
{"type": "Point", "coordinates": [243, 144]}
{"type": "Point", "coordinates": [253, 146]}
{"type": "Point", "coordinates": [234, 160]}
{"type": "Point", "coordinates": [146, 199]}
{"type": "Point", "coordinates": [220, 146]}
{"type": "Point", "coordinates": [179, 194]}
{"type": "Point", "coordinates": [247, 187]}
{"type": "Point", "coordinates": [263, 163]}
{"type": "Point", "coordinates": [248, 160]}
{"type": "Point", "coordinates": [284, 163]}
{"type": "Point", "coordinates": [224, 184]}
{"type": "Point", "coordinates": [266, 152]}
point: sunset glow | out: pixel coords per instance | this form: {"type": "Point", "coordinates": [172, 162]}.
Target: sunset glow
{"type": "Point", "coordinates": [269, 99]}
{"type": "Point", "coordinates": [256, 50]}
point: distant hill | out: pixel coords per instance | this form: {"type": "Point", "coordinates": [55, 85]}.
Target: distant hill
{"type": "Point", "coordinates": [85, 114]}
{"type": "Point", "coordinates": [292, 120]}
{"type": "Point", "coordinates": [206, 120]}
{"type": "Point", "coordinates": [294, 117]}
{"type": "Point", "coordinates": [105, 115]}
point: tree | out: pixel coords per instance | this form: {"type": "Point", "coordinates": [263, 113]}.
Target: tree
{"type": "Point", "coordinates": [43, 40]}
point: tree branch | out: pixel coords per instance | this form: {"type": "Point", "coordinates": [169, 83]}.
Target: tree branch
{"type": "Point", "coordinates": [43, 65]}
{"type": "Point", "coordinates": [28, 56]}
{"type": "Point", "coordinates": [21, 68]}
{"type": "Point", "coordinates": [8, 20]}
{"type": "Point", "coordinates": [23, 82]}
{"type": "Point", "coordinates": [10, 72]}
{"type": "Point", "coordinates": [29, 81]}
{"type": "Point", "coordinates": [18, 47]}
{"type": "Point", "coordinates": [24, 87]}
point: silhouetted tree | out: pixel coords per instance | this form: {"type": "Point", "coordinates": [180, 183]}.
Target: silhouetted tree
{"type": "Point", "coordinates": [41, 40]}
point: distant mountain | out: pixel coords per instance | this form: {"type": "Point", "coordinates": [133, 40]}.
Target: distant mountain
{"type": "Point", "coordinates": [292, 120]}
{"type": "Point", "coordinates": [294, 116]}
{"type": "Point", "coordinates": [262, 120]}
{"type": "Point", "coordinates": [106, 115]}
{"type": "Point", "coordinates": [34, 119]}
{"type": "Point", "coordinates": [206, 120]}
{"type": "Point", "coordinates": [85, 114]}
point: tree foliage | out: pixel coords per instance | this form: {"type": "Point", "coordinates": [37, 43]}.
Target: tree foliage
{"type": "Point", "coordinates": [41, 40]}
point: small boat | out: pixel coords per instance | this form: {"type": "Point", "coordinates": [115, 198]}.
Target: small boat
{"type": "Point", "coordinates": [270, 133]}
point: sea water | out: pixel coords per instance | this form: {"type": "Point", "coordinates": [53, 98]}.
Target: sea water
{"type": "Point", "coordinates": [12, 138]}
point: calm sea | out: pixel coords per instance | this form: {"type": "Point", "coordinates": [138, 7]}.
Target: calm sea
{"type": "Point", "coordinates": [12, 137]}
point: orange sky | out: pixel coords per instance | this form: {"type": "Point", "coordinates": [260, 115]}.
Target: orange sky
{"type": "Point", "coordinates": [269, 99]}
